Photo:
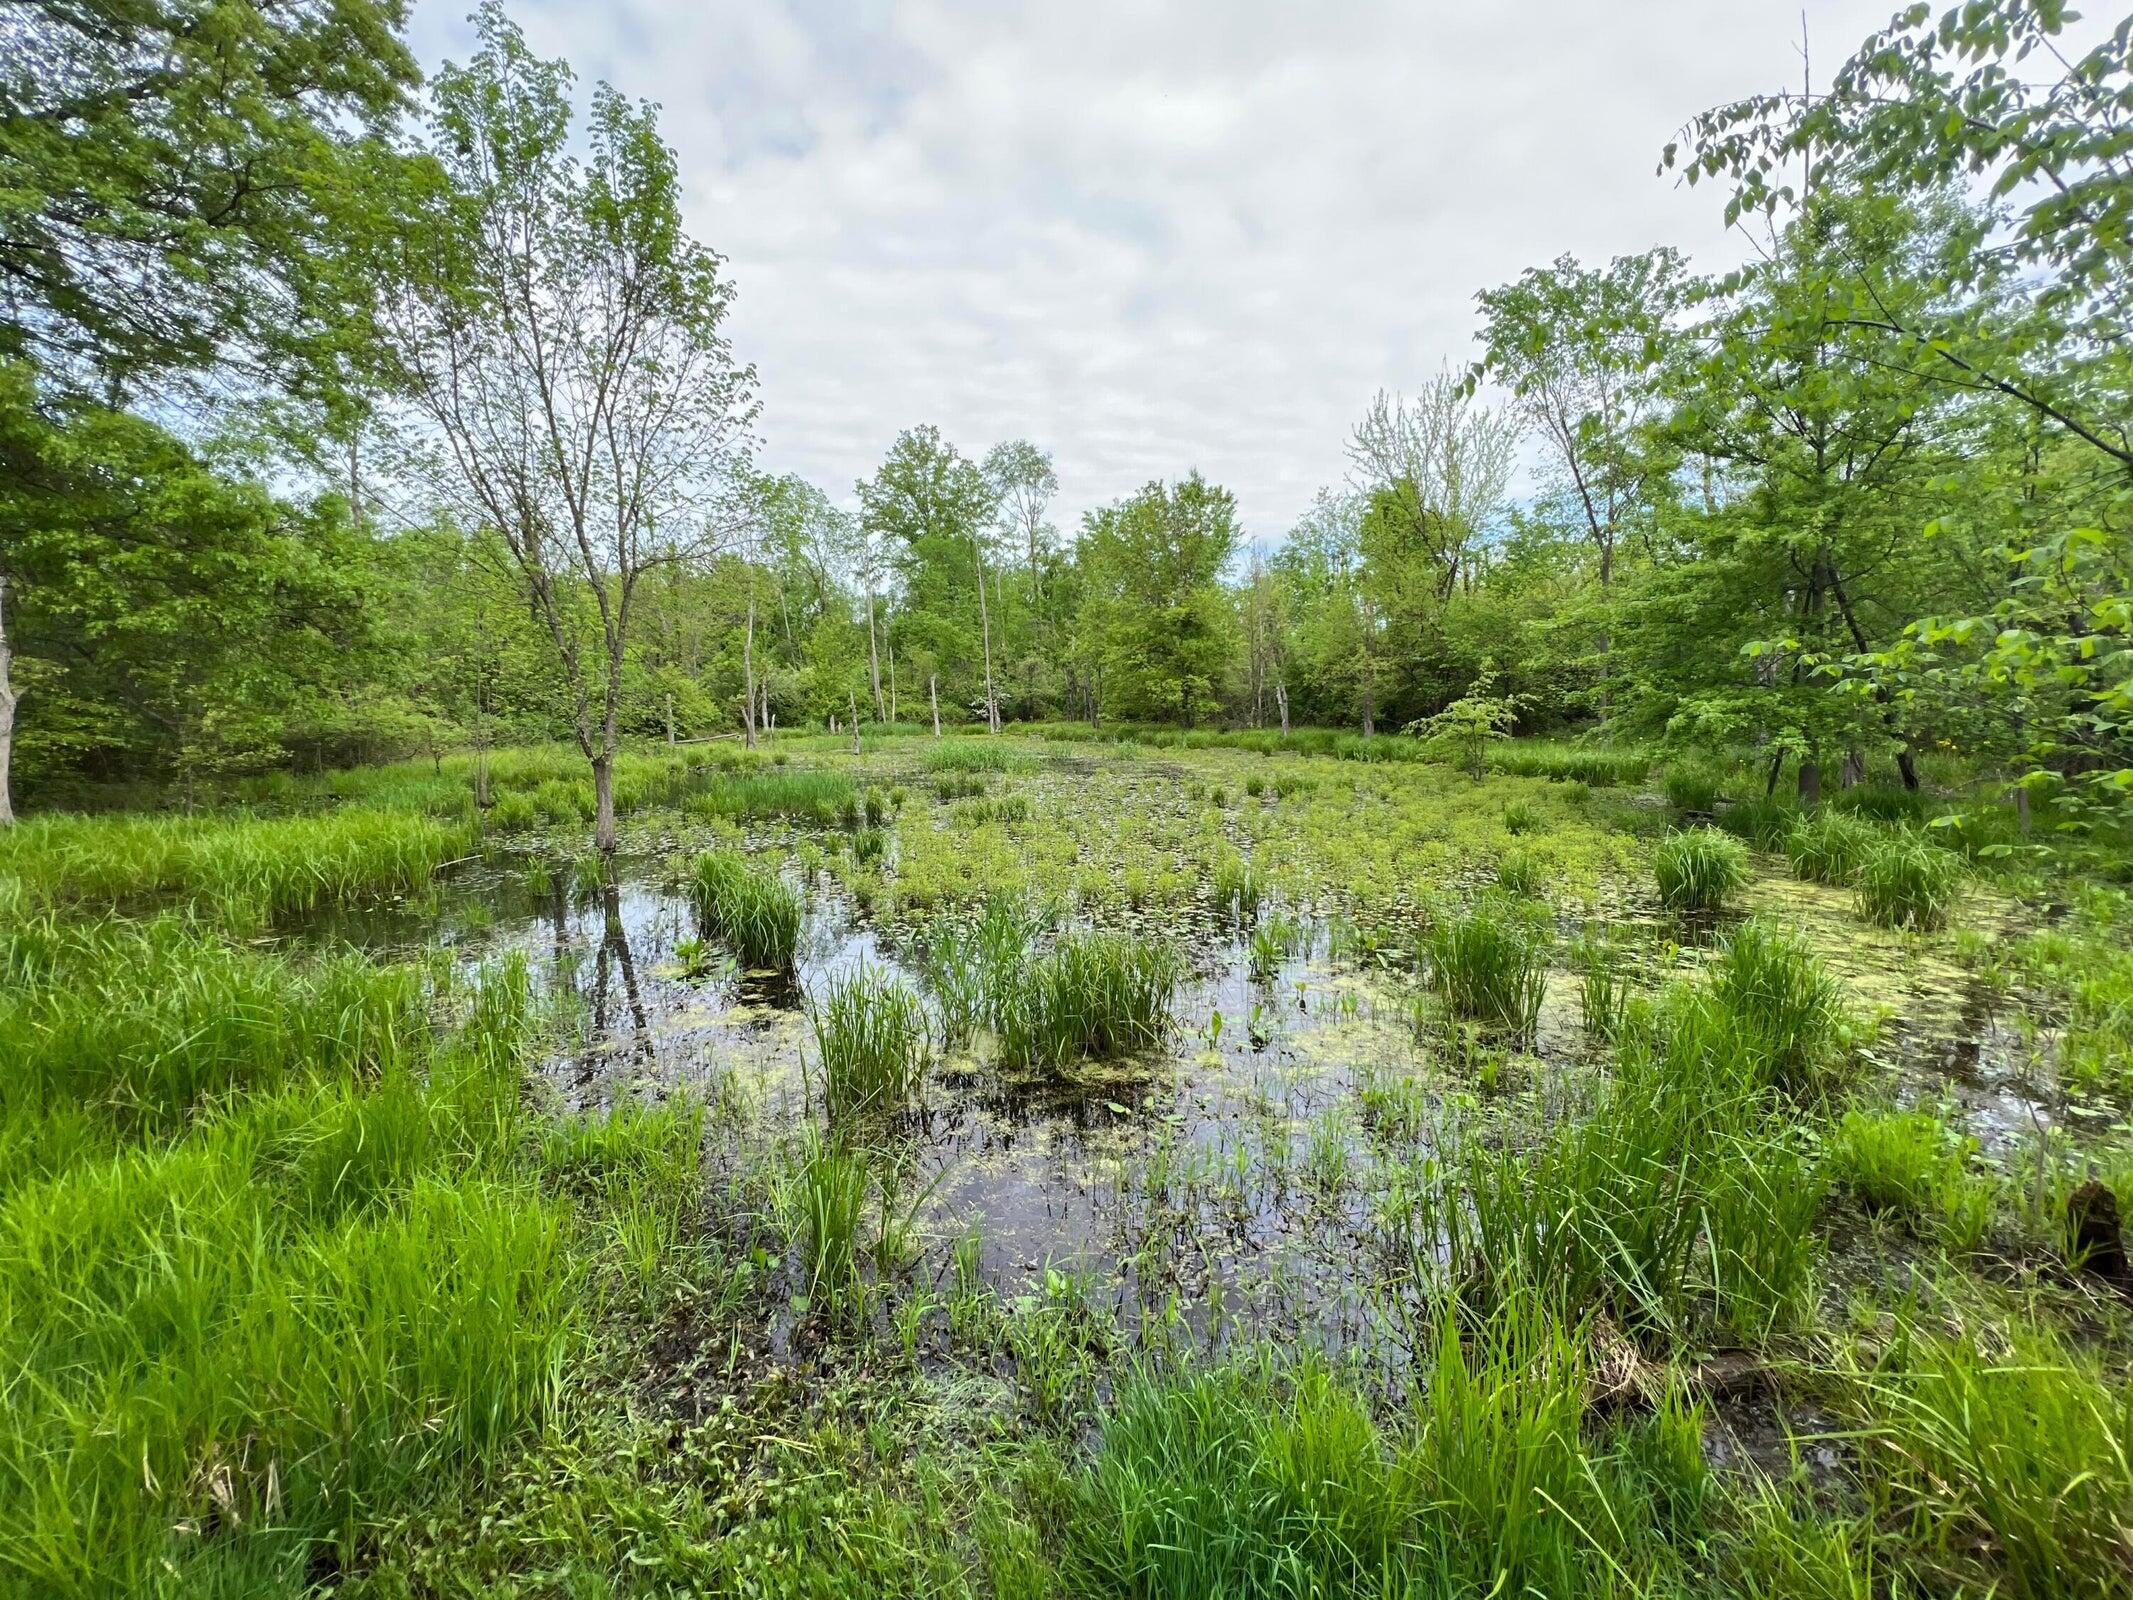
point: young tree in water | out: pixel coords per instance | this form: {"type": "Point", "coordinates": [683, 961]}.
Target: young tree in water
{"type": "Point", "coordinates": [563, 338]}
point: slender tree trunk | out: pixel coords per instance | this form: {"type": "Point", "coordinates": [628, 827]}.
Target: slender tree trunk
{"type": "Point", "coordinates": [603, 766]}
{"type": "Point", "coordinates": [855, 722]}
{"type": "Point", "coordinates": [8, 701]}
{"type": "Point", "coordinates": [892, 678]}
{"type": "Point", "coordinates": [670, 717]}
{"type": "Point", "coordinates": [1281, 699]}
{"type": "Point", "coordinates": [992, 705]}
{"type": "Point", "coordinates": [748, 672]}
{"type": "Point", "coordinates": [933, 694]}
{"type": "Point", "coordinates": [1810, 781]}
{"type": "Point", "coordinates": [873, 655]}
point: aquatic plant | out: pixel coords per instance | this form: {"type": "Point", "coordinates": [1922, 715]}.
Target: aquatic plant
{"type": "Point", "coordinates": [1829, 846]}
{"type": "Point", "coordinates": [798, 794]}
{"type": "Point", "coordinates": [870, 1036]}
{"type": "Point", "coordinates": [1092, 995]}
{"type": "Point", "coordinates": [1692, 786]}
{"type": "Point", "coordinates": [1699, 869]}
{"type": "Point", "coordinates": [1784, 1015]}
{"type": "Point", "coordinates": [752, 911]}
{"type": "Point", "coordinates": [1489, 964]}
{"type": "Point", "coordinates": [1906, 882]}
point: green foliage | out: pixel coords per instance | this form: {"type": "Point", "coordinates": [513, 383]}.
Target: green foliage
{"type": "Point", "coordinates": [870, 1033]}
{"type": "Point", "coordinates": [753, 911]}
{"type": "Point", "coordinates": [245, 872]}
{"type": "Point", "coordinates": [1091, 996]}
{"type": "Point", "coordinates": [1830, 846]}
{"type": "Point", "coordinates": [819, 798]}
{"type": "Point", "coordinates": [1489, 964]}
{"type": "Point", "coordinates": [1467, 727]}
{"type": "Point", "coordinates": [1692, 786]}
{"type": "Point", "coordinates": [1699, 869]}
{"type": "Point", "coordinates": [1787, 1022]}
{"type": "Point", "coordinates": [1911, 1166]}
{"type": "Point", "coordinates": [1905, 881]}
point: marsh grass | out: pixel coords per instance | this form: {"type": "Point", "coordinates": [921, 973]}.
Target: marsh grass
{"type": "Point", "coordinates": [1603, 990]}
{"type": "Point", "coordinates": [1091, 996]}
{"type": "Point", "coordinates": [870, 1036]}
{"type": "Point", "coordinates": [752, 911]}
{"type": "Point", "coordinates": [1263, 1480]}
{"type": "Point", "coordinates": [1521, 873]}
{"type": "Point", "coordinates": [977, 755]}
{"type": "Point", "coordinates": [245, 871]}
{"type": "Point", "coordinates": [1912, 1167]}
{"type": "Point", "coordinates": [1692, 786]}
{"type": "Point", "coordinates": [1489, 964]}
{"type": "Point", "coordinates": [1783, 1014]}
{"type": "Point", "coordinates": [135, 1026]}
{"type": "Point", "coordinates": [1675, 1205]}
{"type": "Point", "coordinates": [798, 794]}
{"type": "Point", "coordinates": [1763, 821]}
{"type": "Point", "coordinates": [1699, 869]}
{"type": "Point", "coordinates": [1520, 816]}
{"type": "Point", "coordinates": [1597, 765]}
{"type": "Point", "coordinates": [232, 1347]}
{"type": "Point", "coordinates": [1906, 882]}
{"type": "Point", "coordinates": [2006, 1465]}
{"type": "Point", "coordinates": [1830, 846]}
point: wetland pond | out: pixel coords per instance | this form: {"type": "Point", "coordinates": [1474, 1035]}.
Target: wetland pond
{"type": "Point", "coordinates": [1254, 1175]}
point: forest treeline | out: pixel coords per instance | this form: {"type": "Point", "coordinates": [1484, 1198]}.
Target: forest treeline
{"type": "Point", "coordinates": [344, 415]}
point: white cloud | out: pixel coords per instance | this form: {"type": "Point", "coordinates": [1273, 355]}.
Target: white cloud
{"type": "Point", "coordinates": [1157, 237]}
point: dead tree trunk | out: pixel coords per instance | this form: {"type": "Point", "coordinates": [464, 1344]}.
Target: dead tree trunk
{"type": "Point", "coordinates": [992, 704]}
{"type": "Point", "coordinates": [855, 721]}
{"type": "Point", "coordinates": [8, 701]}
{"type": "Point", "coordinates": [933, 693]}
{"type": "Point", "coordinates": [1281, 700]}
{"type": "Point", "coordinates": [748, 672]}
{"type": "Point", "coordinates": [873, 655]}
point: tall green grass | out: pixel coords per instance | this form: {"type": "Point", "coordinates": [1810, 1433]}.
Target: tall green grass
{"type": "Point", "coordinates": [1829, 846]}
{"type": "Point", "coordinates": [1906, 882]}
{"type": "Point", "coordinates": [977, 755]}
{"type": "Point", "coordinates": [1489, 963]}
{"type": "Point", "coordinates": [752, 910]}
{"type": "Point", "coordinates": [1092, 995]}
{"type": "Point", "coordinates": [230, 1348]}
{"type": "Point", "coordinates": [246, 871]}
{"type": "Point", "coordinates": [820, 798]}
{"type": "Point", "coordinates": [1699, 869]}
{"type": "Point", "coordinates": [121, 1029]}
{"type": "Point", "coordinates": [870, 1034]}
{"type": "Point", "coordinates": [1262, 1480]}
{"type": "Point", "coordinates": [2005, 1467]}
{"type": "Point", "coordinates": [1597, 765]}
{"type": "Point", "coordinates": [1785, 1017]}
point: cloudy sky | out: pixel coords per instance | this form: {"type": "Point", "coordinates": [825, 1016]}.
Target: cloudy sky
{"type": "Point", "coordinates": [1150, 236]}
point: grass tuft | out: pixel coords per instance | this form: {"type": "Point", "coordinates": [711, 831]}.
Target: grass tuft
{"type": "Point", "coordinates": [1699, 869]}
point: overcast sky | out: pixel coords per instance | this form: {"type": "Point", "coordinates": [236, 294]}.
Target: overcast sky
{"type": "Point", "coordinates": [1156, 237]}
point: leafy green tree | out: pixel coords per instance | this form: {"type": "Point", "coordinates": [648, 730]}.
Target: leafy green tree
{"type": "Point", "coordinates": [562, 340]}
{"type": "Point", "coordinates": [166, 176]}
{"type": "Point", "coordinates": [1583, 351]}
{"type": "Point", "coordinates": [2035, 315]}
{"type": "Point", "coordinates": [1160, 618]}
{"type": "Point", "coordinates": [933, 509]}
{"type": "Point", "coordinates": [163, 613]}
